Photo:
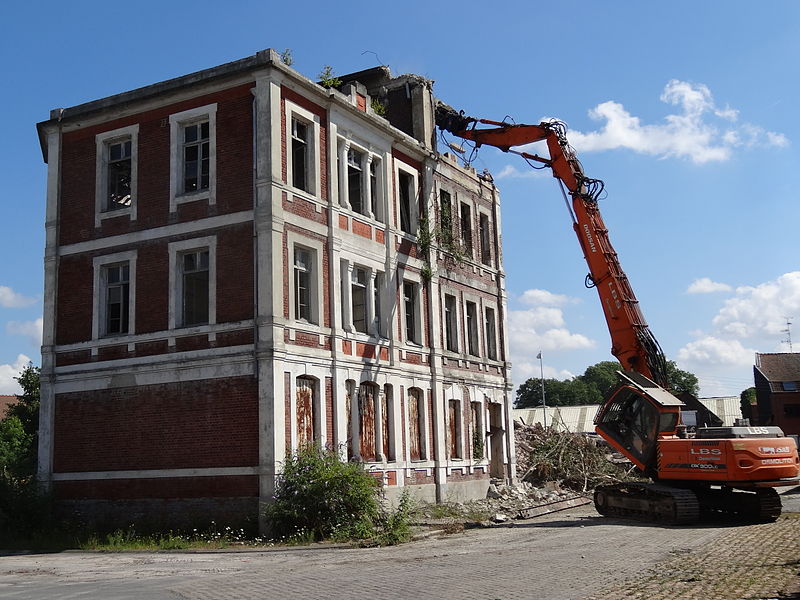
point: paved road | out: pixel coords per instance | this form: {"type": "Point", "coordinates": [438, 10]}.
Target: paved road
{"type": "Point", "coordinates": [569, 555]}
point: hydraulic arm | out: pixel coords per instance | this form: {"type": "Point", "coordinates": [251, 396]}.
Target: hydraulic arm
{"type": "Point", "coordinates": [633, 344]}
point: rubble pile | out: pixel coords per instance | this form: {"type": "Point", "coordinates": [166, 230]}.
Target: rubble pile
{"type": "Point", "coordinates": [576, 461]}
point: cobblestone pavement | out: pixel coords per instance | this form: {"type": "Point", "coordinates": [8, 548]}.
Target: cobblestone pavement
{"type": "Point", "coordinates": [570, 555]}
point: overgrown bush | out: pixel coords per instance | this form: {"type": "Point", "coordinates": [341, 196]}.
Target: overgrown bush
{"type": "Point", "coordinates": [25, 511]}
{"type": "Point", "coordinates": [318, 497]}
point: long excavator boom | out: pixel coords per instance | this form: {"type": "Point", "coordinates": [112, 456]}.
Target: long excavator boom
{"type": "Point", "coordinates": [633, 344]}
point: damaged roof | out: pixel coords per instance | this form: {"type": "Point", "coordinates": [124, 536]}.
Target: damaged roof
{"type": "Point", "coordinates": [779, 366]}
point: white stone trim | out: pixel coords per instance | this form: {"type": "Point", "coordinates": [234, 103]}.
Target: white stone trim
{"type": "Point", "coordinates": [177, 121]}
{"type": "Point", "coordinates": [313, 151]}
{"type": "Point", "coordinates": [156, 473]}
{"type": "Point", "coordinates": [175, 317]}
{"type": "Point", "coordinates": [98, 297]}
{"type": "Point", "coordinates": [167, 231]}
{"type": "Point", "coordinates": [419, 330]}
{"type": "Point", "coordinates": [400, 166]}
{"type": "Point", "coordinates": [102, 141]}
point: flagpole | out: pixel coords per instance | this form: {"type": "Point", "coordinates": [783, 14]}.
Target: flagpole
{"type": "Point", "coordinates": [544, 401]}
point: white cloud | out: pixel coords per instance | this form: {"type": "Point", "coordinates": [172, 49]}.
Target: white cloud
{"type": "Point", "coordinates": [537, 297]}
{"type": "Point", "coordinates": [704, 285]}
{"type": "Point", "coordinates": [524, 370]}
{"type": "Point", "coordinates": [690, 133]}
{"type": "Point", "coordinates": [11, 299]}
{"type": "Point", "coordinates": [8, 384]}
{"type": "Point", "coordinates": [31, 329]}
{"type": "Point", "coordinates": [760, 312]}
{"type": "Point", "coordinates": [511, 172]}
{"type": "Point", "coordinates": [711, 351]}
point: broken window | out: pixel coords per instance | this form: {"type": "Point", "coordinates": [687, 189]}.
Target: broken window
{"type": "Point", "coordinates": [411, 305]}
{"type": "Point", "coordinates": [194, 279]}
{"type": "Point", "coordinates": [416, 425]}
{"type": "Point", "coordinates": [466, 229]}
{"type": "Point", "coordinates": [374, 189]}
{"type": "Point", "coordinates": [355, 181]}
{"type": "Point", "coordinates": [445, 217]}
{"type": "Point", "coordinates": [454, 431]}
{"type": "Point", "coordinates": [299, 154]}
{"type": "Point", "coordinates": [366, 421]}
{"type": "Point", "coordinates": [406, 193]}
{"type": "Point", "coordinates": [387, 421]}
{"type": "Point", "coordinates": [306, 403]}
{"type": "Point", "coordinates": [478, 439]}
{"type": "Point", "coordinates": [485, 235]}
{"type": "Point", "coordinates": [358, 294]}
{"type": "Point", "coordinates": [118, 175]}
{"type": "Point", "coordinates": [196, 154]}
{"type": "Point", "coordinates": [377, 293]}
{"type": "Point", "coordinates": [450, 323]}
{"type": "Point", "coordinates": [472, 328]}
{"type": "Point", "coordinates": [117, 290]}
{"type": "Point", "coordinates": [302, 284]}
{"type": "Point", "coordinates": [491, 335]}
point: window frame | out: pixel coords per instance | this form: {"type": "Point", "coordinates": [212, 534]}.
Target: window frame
{"type": "Point", "coordinates": [315, 280]}
{"type": "Point", "coordinates": [465, 228]}
{"type": "Point", "coordinates": [99, 305]}
{"type": "Point", "coordinates": [413, 216]}
{"type": "Point", "coordinates": [490, 332]}
{"type": "Point", "coordinates": [103, 142]}
{"type": "Point", "coordinates": [472, 329]}
{"type": "Point", "coordinates": [446, 217]}
{"type": "Point", "coordinates": [448, 331]}
{"type": "Point", "coordinates": [295, 112]}
{"type": "Point", "coordinates": [417, 338]}
{"type": "Point", "coordinates": [485, 250]}
{"type": "Point", "coordinates": [176, 291]}
{"type": "Point", "coordinates": [177, 123]}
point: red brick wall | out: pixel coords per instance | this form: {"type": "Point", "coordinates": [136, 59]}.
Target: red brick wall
{"type": "Point", "coordinates": [234, 168]}
{"type": "Point", "coordinates": [291, 95]}
{"type": "Point", "coordinates": [206, 423]}
{"type": "Point", "coordinates": [160, 487]}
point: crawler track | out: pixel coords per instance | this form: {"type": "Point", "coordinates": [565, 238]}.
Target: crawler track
{"type": "Point", "coordinates": [650, 502]}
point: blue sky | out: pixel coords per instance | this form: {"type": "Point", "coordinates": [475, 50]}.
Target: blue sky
{"type": "Point", "coordinates": [687, 111]}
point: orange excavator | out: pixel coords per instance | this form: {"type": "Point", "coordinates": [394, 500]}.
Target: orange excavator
{"type": "Point", "coordinates": [695, 463]}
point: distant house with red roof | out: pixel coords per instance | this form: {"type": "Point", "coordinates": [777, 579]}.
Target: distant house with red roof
{"type": "Point", "coordinates": [777, 381]}
{"type": "Point", "coordinates": [5, 402]}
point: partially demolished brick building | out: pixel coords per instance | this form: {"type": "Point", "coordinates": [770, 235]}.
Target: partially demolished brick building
{"type": "Point", "coordinates": [240, 261]}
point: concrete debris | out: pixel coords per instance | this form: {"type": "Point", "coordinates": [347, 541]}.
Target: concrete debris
{"type": "Point", "coordinates": [500, 518]}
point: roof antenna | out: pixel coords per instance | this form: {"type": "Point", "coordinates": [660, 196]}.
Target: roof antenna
{"type": "Point", "coordinates": [788, 332]}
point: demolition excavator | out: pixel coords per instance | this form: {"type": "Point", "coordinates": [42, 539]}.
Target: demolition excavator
{"type": "Point", "coordinates": [695, 463]}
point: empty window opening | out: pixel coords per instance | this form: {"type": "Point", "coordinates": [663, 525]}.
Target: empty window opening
{"type": "Point", "coordinates": [358, 294]}
{"type": "Point", "coordinates": [374, 190]}
{"type": "Point", "coordinates": [450, 323]}
{"type": "Point", "coordinates": [491, 336]}
{"type": "Point", "coordinates": [446, 217]}
{"type": "Point", "coordinates": [454, 422]}
{"type": "Point", "coordinates": [466, 229]}
{"type": "Point", "coordinates": [411, 305]}
{"type": "Point", "coordinates": [789, 386]}
{"type": "Point", "coordinates": [299, 154]}
{"type": "Point", "coordinates": [485, 235]}
{"type": "Point", "coordinates": [195, 287]}
{"type": "Point", "coordinates": [196, 157]}
{"type": "Point", "coordinates": [472, 328]}
{"type": "Point", "coordinates": [119, 175]}
{"type": "Point", "coordinates": [117, 298]}
{"type": "Point", "coordinates": [478, 438]}
{"type": "Point", "coordinates": [387, 423]}
{"type": "Point", "coordinates": [355, 182]}
{"type": "Point", "coordinates": [377, 295]}
{"type": "Point", "coordinates": [406, 191]}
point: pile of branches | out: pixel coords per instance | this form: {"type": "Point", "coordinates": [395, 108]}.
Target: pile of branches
{"type": "Point", "coordinates": [574, 460]}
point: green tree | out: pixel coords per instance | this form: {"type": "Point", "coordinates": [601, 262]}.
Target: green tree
{"type": "Point", "coordinates": [747, 399]}
{"type": "Point", "coordinates": [681, 381]}
{"type": "Point", "coordinates": [19, 428]}
{"type": "Point", "coordinates": [601, 378]}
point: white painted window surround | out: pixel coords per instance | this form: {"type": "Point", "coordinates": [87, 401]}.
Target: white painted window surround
{"type": "Point", "coordinates": [103, 141]}
{"type": "Point", "coordinates": [312, 121]}
{"type": "Point", "coordinates": [176, 250]}
{"type": "Point", "coordinates": [99, 289]}
{"type": "Point", "coordinates": [315, 249]}
{"type": "Point", "coordinates": [177, 123]}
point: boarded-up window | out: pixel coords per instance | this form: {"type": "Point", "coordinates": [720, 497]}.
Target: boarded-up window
{"type": "Point", "coordinates": [416, 410]}
{"type": "Point", "coordinates": [454, 423]}
{"type": "Point", "coordinates": [305, 399]}
{"type": "Point", "coordinates": [366, 421]}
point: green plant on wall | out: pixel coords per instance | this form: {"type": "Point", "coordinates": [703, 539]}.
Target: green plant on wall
{"type": "Point", "coordinates": [477, 445]}
{"type": "Point", "coordinates": [378, 107]}
{"type": "Point", "coordinates": [327, 78]}
{"type": "Point", "coordinates": [286, 57]}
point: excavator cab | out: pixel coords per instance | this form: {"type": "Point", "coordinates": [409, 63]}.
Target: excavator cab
{"type": "Point", "coordinates": [635, 415]}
